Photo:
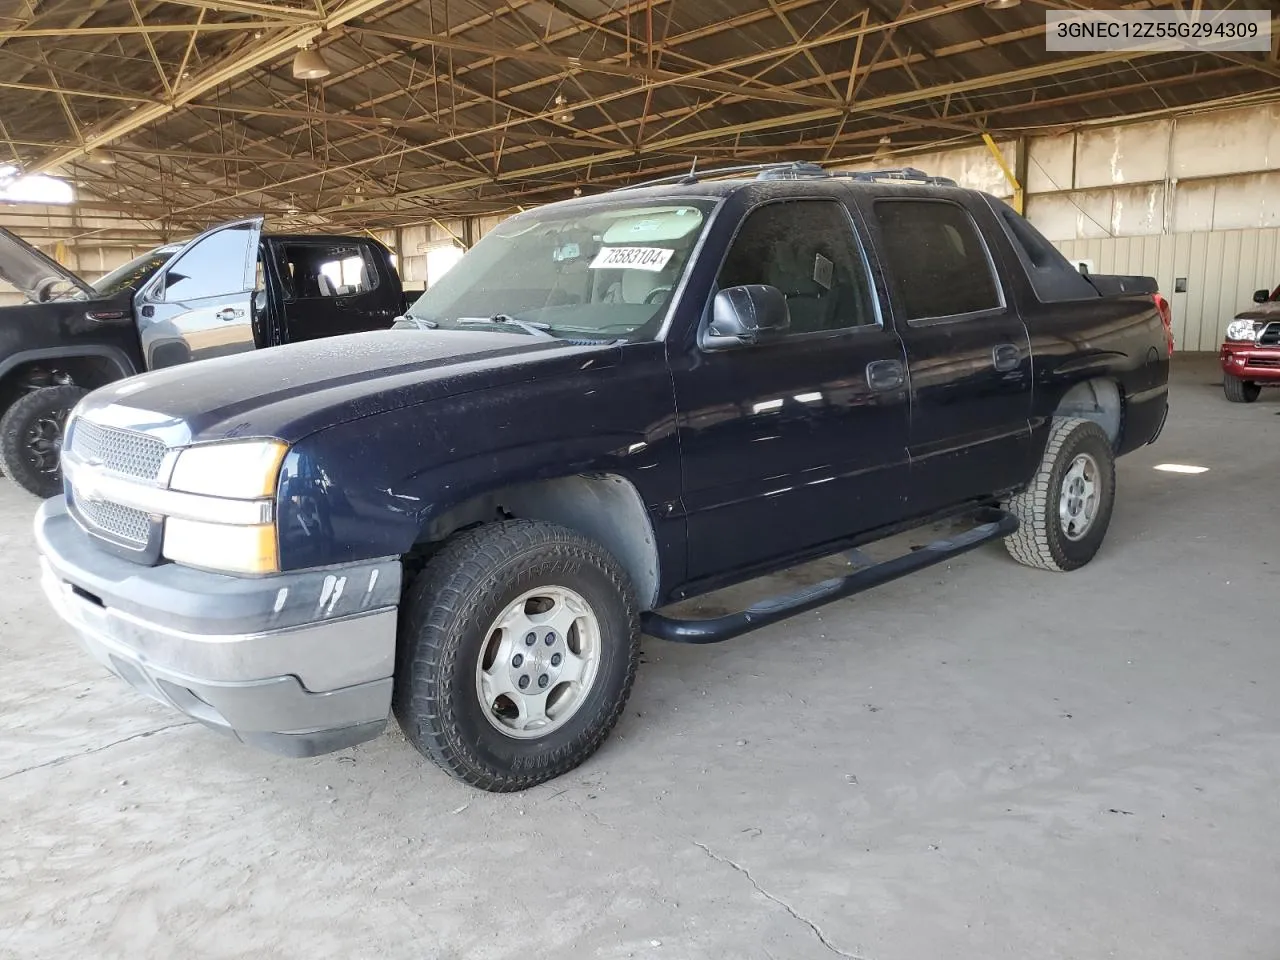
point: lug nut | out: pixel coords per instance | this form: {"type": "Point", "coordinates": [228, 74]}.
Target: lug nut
{"type": "Point", "coordinates": [550, 639]}
{"type": "Point", "coordinates": [517, 660]}
{"type": "Point", "coordinates": [524, 682]}
{"type": "Point", "coordinates": [542, 680]}
{"type": "Point", "coordinates": [555, 659]}
{"type": "Point", "coordinates": [530, 640]}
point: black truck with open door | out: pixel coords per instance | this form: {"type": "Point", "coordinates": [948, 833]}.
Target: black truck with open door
{"type": "Point", "coordinates": [229, 289]}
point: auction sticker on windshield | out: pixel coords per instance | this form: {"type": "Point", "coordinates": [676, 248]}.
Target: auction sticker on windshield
{"type": "Point", "coordinates": [631, 258]}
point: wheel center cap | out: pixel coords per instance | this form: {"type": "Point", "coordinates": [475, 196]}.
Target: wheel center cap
{"type": "Point", "coordinates": [537, 661]}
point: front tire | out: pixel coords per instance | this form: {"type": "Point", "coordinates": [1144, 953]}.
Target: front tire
{"type": "Point", "coordinates": [31, 434]}
{"type": "Point", "coordinates": [1065, 511]}
{"type": "Point", "coordinates": [1240, 391]}
{"type": "Point", "coordinates": [474, 695]}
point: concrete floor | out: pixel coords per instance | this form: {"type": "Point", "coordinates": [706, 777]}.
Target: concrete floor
{"type": "Point", "coordinates": [981, 761]}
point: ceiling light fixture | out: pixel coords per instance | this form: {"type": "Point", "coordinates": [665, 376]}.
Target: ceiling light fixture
{"type": "Point", "coordinates": [562, 113]}
{"type": "Point", "coordinates": [883, 153]}
{"type": "Point", "coordinates": [1002, 4]}
{"type": "Point", "coordinates": [309, 65]}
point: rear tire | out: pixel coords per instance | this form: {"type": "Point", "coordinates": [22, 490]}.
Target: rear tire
{"type": "Point", "coordinates": [1065, 511]}
{"type": "Point", "coordinates": [1240, 391]}
{"type": "Point", "coordinates": [31, 433]}
{"type": "Point", "coordinates": [472, 696]}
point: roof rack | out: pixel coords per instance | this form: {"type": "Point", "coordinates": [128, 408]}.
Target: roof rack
{"type": "Point", "coordinates": [894, 175]}
{"type": "Point", "coordinates": [798, 170]}
{"type": "Point", "coordinates": [695, 175]}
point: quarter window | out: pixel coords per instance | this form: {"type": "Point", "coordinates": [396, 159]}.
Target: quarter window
{"type": "Point", "coordinates": [936, 260]}
{"type": "Point", "coordinates": [808, 250]}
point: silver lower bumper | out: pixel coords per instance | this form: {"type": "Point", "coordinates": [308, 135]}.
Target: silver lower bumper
{"type": "Point", "coordinates": [301, 688]}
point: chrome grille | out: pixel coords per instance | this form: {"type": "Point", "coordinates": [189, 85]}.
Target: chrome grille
{"type": "Point", "coordinates": [132, 526]}
{"type": "Point", "coordinates": [121, 451]}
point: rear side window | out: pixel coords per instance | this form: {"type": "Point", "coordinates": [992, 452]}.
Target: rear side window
{"type": "Point", "coordinates": [808, 250]}
{"type": "Point", "coordinates": [316, 270]}
{"type": "Point", "coordinates": [936, 260]}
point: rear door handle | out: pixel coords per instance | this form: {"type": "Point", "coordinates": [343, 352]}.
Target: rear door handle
{"type": "Point", "coordinates": [884, 375]}
{"type": "Point", "coordinates": [230, 313]}
{"type": "Point", "coordinates": [1006, 357]}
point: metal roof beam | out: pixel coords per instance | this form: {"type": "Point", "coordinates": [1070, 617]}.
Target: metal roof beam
{"type": "Point", "coordinates": [794, 119]}
{"type": "Point", "coordinates": [245, 60]}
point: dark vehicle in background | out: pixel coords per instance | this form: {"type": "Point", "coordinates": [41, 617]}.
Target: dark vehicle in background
{"type": "Point", "coordinates": [607, 406]}
{"type": "Point", "coordinates": [1250, 352]}
{"type": "Point", "coordinates": [228, 290]}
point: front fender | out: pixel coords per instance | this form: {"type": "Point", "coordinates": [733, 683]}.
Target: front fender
{"type": "Point", "coordinates": [374, 487]}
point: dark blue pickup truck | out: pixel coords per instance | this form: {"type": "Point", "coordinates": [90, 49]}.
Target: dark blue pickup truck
{"type": "Point", "coordinates": [609, 405]}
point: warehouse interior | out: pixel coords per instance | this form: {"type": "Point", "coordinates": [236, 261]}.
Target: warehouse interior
{"type": "Point", "coordinates": [979, 760]}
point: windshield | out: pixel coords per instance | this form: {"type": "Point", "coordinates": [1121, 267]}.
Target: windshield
{"type": "Point", "coordinates": [134, 273]}
{"type": "Point", "coordinates": [606, 271]}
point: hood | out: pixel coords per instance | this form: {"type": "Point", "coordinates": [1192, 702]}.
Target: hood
{"type": "Point", "coordinates": [294, 390]}
{"type": "Point", "coordinates": [1261, 311]}
{"type": "Point", "coordinates": [28, 269]}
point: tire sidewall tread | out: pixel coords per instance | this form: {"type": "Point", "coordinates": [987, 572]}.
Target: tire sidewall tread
{"type": "Point", "coordinates": [463, 588]}
{"type": "Point", "coordinates": [13, 427]}
{"type": "Point", "coordinates": [1238, 390]}
{"type": "Point", "coordinates": [1039, 540]}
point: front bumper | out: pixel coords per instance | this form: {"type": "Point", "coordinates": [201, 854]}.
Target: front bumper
{"type": "Point", "coordinates": [1250, 362]}
{"type": "Point", "coordinates": [297, 663]}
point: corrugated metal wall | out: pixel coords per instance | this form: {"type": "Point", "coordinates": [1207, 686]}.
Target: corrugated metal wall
{"type": "Point", "coordinates": [1222, 269]}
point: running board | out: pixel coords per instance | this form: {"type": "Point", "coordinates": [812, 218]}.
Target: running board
{"type": "Point", "coordinates": [998, 525]}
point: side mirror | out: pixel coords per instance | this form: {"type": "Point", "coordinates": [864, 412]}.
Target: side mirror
{"type": "Point", "coordinates": [745, 316]}
{"type": "Point", "coordinates": [1261, 296]}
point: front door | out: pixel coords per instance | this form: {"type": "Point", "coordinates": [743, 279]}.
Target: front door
{"type": "Point", "coordinates": [799, 441]}
{"type": "Point", "coordinates": [201, 304]}
{"type": "Point", "coordinates": [968, 353]}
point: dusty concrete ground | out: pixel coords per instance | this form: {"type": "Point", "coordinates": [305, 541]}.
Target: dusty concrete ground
{"type": "Point", "coordinates": [980, 761]}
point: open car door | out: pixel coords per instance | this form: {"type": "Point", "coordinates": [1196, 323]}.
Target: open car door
{"type": "Point", "coordinates": [201, 304]}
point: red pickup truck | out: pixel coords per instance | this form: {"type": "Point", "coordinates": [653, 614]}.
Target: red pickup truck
{"type": "Point", "coordinates": [1251, 349]}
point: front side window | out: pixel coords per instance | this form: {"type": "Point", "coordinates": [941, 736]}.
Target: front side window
{"type": "Point", "coordinates": [936, 259]}
{"type": "Point", "coordinates": [215, 266]}
{"type": "Point", "coordinates": [606, 270]}
{"type": "Point", "coordinates": [808, 250]}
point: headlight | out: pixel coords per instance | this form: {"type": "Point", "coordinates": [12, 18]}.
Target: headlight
{"type": "Point", "coordinates": [238, 468]}
{"type": "Point", "coordinates": [1241, 330]}
{"type": "Point", "coordinates": [227, 532]}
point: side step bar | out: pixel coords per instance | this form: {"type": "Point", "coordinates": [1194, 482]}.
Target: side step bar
{"type": "Point", "coordinates": [998, 525]}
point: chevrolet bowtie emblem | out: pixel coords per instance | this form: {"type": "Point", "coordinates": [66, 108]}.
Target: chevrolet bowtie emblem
{"type": "Point", "coordinates": [86, 489]}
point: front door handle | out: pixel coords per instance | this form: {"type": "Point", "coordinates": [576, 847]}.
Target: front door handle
{"type": "Point", "coordinates": [230, 313]}
{"type": "Point", "coordinates": [884, 375]}
{"type": "Point", "coordinates": [1006, 357]}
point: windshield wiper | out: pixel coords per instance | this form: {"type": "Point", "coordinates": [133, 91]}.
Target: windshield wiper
{"type": "Point", "coordinates": [409, 322]}
{"type": "Point", "coordinates": [533, 329]}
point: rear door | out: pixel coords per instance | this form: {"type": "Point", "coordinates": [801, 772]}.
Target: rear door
{"type": "Point", "coordinates": [201, 304]}
{"type": "Point", "coordinates": [332, 287]}
{"type": "Point", "coordinates": [968, 354]}
{"type": "Point", "coordinates": [799, 441]}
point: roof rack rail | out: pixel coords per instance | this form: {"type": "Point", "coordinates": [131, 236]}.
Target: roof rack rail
{"type": "Point", "coordinates": [695, 175]}
{"type": "Point", "coordinates": [797, 170]}
{"type": "Point", "coordinates": [895, 174]}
